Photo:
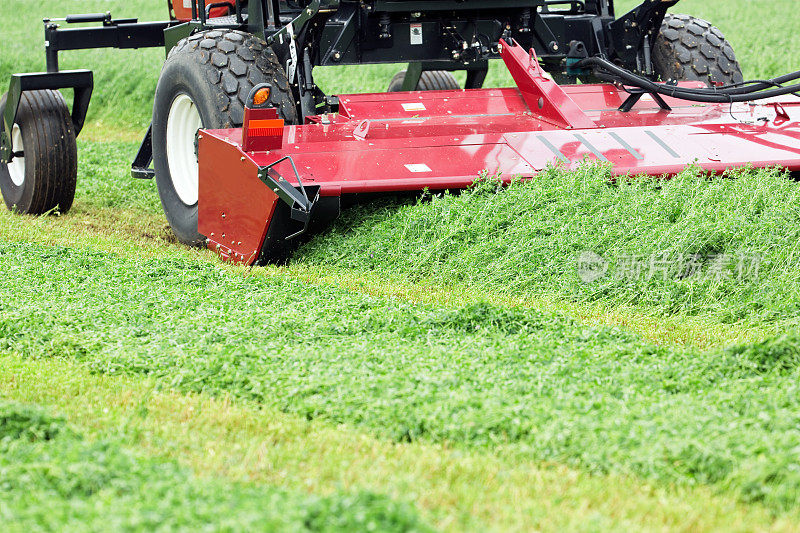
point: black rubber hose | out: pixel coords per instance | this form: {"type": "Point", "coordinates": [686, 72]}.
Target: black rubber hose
{"type": "Point", "coordinates": [747, 87]}
{"type": "Point", "coordinates": [716, 94]}
{"type": "Point", "coordinates": [712, 95]}
{"type": "Point", "coordinates": [763, 84]}
{"type": "Point", "coordinates": [758, 85]}
{"type": "Point", "coordinates": [736, 88]}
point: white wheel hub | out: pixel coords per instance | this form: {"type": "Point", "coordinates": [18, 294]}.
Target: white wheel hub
{"type": "Point", "coordinates": [16, 168]}
{"type": "Point", "coordinates": [183, 122]}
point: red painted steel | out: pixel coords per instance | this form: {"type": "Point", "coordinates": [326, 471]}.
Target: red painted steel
{"type": "Point", "coordinates": [182, 10]}
{"type": "Point", "coordinates": [542, 95]}
{"type": "Point", "coordinates": [235, 207]}
{"type": "Point", "coordinates": [446, 139]}
{"type": "Point", "coordinates": [261, 130]}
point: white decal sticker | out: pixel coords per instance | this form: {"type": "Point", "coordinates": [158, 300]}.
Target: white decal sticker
{"type": "Point", "coordinates": [416, 34]}
{"type": "Point", "coordinates": [414, 106]}
{"type": "Point", "coordinates": [419, 167]}
{"type": "Point", "coordinates": [187, 4]}
{"type": "Point", "coordinates": [291, 67]}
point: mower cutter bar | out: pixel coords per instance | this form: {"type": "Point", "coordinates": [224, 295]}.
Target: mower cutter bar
{"type": "Point", "coordinates": [438, 140]}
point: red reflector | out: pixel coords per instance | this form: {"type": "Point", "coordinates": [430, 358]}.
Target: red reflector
{"type": "Point", "coordinates": [265, 132]}
{"type": "Point", "coordinates": [265, 128]}
{"type": "Point", "coordinates": [262, 133]}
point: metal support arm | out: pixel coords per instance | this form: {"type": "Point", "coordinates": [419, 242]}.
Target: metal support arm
{"type": "Point", "coordinates": [112, 34]}
{"type": "Point", "coordinates": [81, 81]}
{"type": "Point", "coordinates": [636, 30]}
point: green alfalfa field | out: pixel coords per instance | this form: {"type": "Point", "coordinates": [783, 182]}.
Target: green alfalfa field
{"type": "Point", "coordinates": [423, 365]}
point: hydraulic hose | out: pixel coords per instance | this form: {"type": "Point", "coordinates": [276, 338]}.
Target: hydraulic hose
{"type": "Point", "coordinates": [758, 85]}
{"type": "Point", "coordinates": [745, 92]}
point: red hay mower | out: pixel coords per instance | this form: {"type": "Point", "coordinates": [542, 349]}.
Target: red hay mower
{"type": "Point", "coordinates": [249, 154]}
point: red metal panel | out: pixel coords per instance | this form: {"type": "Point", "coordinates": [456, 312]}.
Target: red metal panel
{"type": "Point", "coordinates": [234, 206]}
{"type": "Point", "coordinates": [662, 149]}
{"type": "Point", "coordinates": [386, 164]}
{"type": "Point", "coordinates": [608, 97]}
{"type": "Point", "coordinates": [476, 103]}
{"type": "Point", "coordinates": [385, 170]}
{"type": "Point", "coordinates": [543, 96]}
{"type": "Point", "coordinates": [457, 148]}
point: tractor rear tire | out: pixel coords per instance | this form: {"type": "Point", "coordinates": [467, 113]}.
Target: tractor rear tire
{"type": "Point", "coordinates": [204, 83]}
{"type": "Point", "coordinates": [431, 80]}
{"type": "Point", "coordinates": [43, 179]}
{"type": "Point", "coordinates": [691, 49]}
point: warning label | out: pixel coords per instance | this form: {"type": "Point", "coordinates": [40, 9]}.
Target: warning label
{"type": "Point", "coordinates": [416, 33]}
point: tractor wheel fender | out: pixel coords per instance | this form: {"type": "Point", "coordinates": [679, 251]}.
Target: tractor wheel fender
{"type": "Point", "coordinates": [691, 49]}
{"type": "Point", "coordinates": [204, 83]}
{"type": "Point", "coordinates": [431, 80]}
{"type": "Point", "coordinates": [43, 178]}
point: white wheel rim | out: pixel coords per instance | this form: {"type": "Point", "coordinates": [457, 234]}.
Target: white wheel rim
{"type": "Point", "coordinates": [16, 168]}
{"type": "Point", "coordinates": [183, 122]}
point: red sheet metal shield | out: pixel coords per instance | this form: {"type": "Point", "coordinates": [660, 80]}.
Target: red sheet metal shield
{"type": "Point", "coordinates": [445, 139]}
{"type": "Point", "coordinates": [234, 207]}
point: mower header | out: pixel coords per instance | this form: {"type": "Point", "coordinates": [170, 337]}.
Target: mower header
{"type": "Point", "coordinates": [254, 202]}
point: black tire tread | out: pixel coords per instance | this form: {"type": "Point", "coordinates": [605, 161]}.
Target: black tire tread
{"type": "Point", "coordinates": [692, 49]}
{"type": "Point", "coordinates": [238, 61]}
{"type": "Point", "coordinates": [222, 67]}
{"type": "Point", "coordinates": [60, 183]}
{"type": "Point", "coordinates": [50, 151]}
{"type": "Point", "coordinates": [431, 80]}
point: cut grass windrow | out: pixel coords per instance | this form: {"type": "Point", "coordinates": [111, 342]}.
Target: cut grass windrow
{"type": "Point", "coordinates": [455, 490]}
{"type": "Point", "coordinates": [135, 234]}
{"type": "Point", "coordinates": [475, 376]}
{"type": "Point", "coordinates": [54, 479]}
{"type": "Point", "coordinates": [724, 248]}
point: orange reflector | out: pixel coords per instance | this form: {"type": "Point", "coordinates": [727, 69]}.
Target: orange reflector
{"type": "Point", "coordinates": [265, 128]}
{"type": "Point", "coordinates": [261, 96]}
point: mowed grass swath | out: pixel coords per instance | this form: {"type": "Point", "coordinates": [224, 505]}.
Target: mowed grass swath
{"type": "Point", "coordinates": [55, 479]}
{"type": "Point", "coordinates": [482, 370]}
{"type": "Point", "coordinates": [525, 240]}
{"type": "Point", "coordinates": [477, 376]}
